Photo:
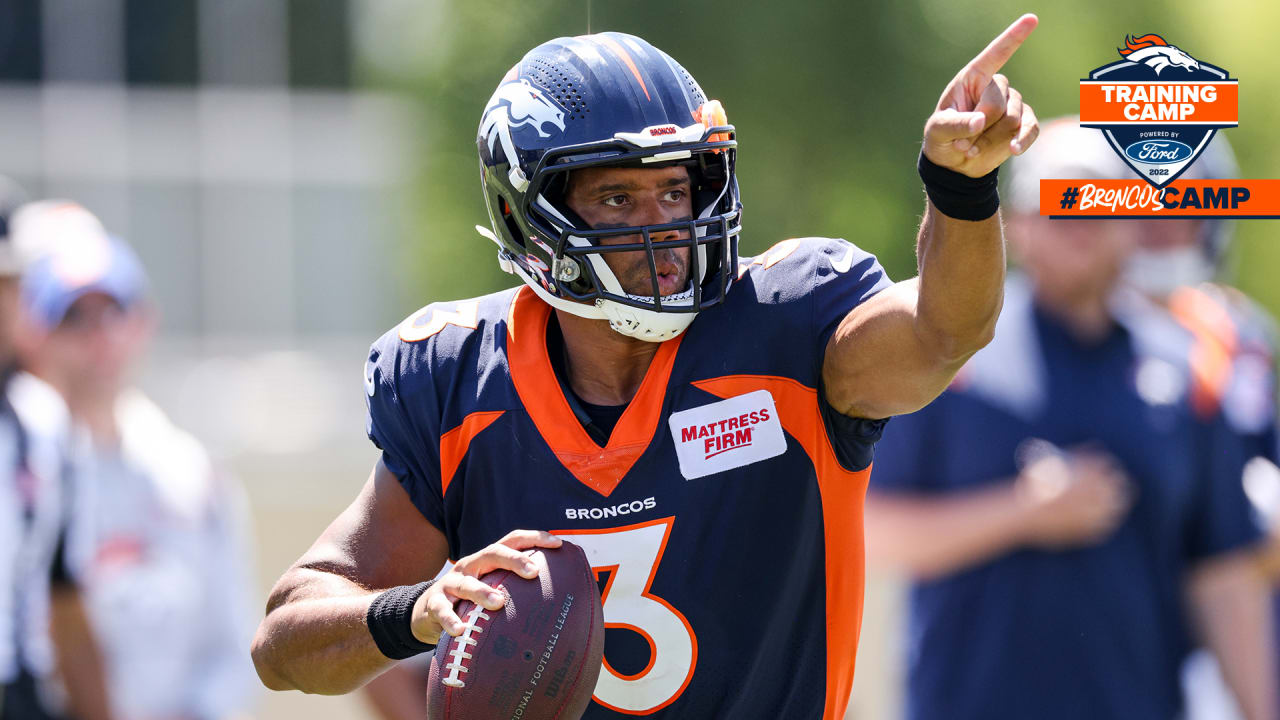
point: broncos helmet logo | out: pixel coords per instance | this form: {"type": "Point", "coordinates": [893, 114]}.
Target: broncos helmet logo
{"type": "Point", "coordinates": [1154, 52]}
{"type": "Point", "coordinates": [513, 105]}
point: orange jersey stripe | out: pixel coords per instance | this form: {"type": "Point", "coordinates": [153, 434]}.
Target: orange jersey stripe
{"type": "Point", "coordinates": [842, 495]}
{"type": "Point", "coordinates": [454, 444]}
{"type": "Point", "coordinates": [600, 469]}
{"type": "Point", "coordinates": [621, 52]}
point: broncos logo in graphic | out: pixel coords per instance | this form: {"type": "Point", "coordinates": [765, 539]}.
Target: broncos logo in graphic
{"type": "Point", "coordinates": [1154, 52]}
{"type": "Point", "coordinates": [513, 105]}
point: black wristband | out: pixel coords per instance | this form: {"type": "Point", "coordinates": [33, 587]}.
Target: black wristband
{"type": "Point", "coordinates": [957, 195]}
{"type": "Point", "coordinates": [389, 619]}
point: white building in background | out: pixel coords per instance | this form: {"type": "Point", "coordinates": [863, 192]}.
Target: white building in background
{"type": "Point", "coordinates": [224, 139]}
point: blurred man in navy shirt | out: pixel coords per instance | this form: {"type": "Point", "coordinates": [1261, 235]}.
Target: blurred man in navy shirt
{"type": "Point", "coordinates": [1071, 523]}
{"type": "Point", "coordinates": [1231, 347]}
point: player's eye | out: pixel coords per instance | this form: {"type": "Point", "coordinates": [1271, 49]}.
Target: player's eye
{"type": "Point", "coordinates": [676, 196]}
{"type": "Point", "coordinates": [616, 200]}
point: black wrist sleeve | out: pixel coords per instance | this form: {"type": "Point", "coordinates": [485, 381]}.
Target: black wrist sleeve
{"type": "Point", "coordinates": [957, 195]}
{"type": "Point", "coordinates": [389, 622]}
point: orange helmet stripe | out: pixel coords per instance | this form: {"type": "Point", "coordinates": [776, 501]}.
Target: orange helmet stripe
{"type": "Point", "coordinates": [621, 52]}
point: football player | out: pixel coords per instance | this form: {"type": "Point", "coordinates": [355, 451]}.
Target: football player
{"type": "Point", "coordinates": [702, 426]}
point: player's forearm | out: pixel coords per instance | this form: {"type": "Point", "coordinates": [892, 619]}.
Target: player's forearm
{"type": "Point", "coordinates": [961, 289]}
{"type": "Point", "coordinates": [314, 637]}
{"type": "Point", "coordinates": [928, 537]}
{"type": "Point", "coordinates": [1231, 605]}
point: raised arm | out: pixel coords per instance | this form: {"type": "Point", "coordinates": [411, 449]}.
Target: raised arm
{"type": "Point", "coordinates": [315, 637]}
{"type": "Point", "coordinates": [899, 350]}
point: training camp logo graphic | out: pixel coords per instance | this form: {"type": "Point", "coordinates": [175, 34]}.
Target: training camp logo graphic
{"type": "Point", "coordinates": [1158, 106]}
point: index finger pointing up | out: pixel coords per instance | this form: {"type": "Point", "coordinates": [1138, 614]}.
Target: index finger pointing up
{"type": "Point", "coordinates": [994, 56]}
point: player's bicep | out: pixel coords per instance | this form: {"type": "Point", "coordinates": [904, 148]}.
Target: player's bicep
{"type": "Point", "coordinates": [381, 540]}
{"type": "Point", "coordinates": [879, 363]}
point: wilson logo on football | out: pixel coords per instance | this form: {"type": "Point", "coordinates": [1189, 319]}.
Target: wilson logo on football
{"type": "Point", "coordinates": [1158, 106]}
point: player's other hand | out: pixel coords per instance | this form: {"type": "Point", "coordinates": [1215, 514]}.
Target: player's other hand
{"type": "Point", "coordinates": [1073, 498]}
{"type": "Point", "coordinates": [980, 120]}
{"type": "Point", "coordinates": [434, 611]}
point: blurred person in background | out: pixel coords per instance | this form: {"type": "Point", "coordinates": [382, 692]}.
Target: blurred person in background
{"type": "Point", "coordinates": [34, 509]}
{"type": "Point", "coordinates": [1068, 519]}
{"type": "Point", "coordinates": [156, 538]}
{"type": "Point", "coordinates": [1230, 342]}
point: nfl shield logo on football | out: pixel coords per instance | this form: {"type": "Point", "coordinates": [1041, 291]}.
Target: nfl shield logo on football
{"type": "Point", "coordinates": [1158, 106]}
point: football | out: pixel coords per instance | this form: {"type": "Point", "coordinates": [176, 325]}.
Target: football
{"type": "Point", "coordinates": [537, 658]}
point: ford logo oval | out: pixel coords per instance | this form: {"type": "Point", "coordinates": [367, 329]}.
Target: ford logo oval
{"type": "Point", "coordinates": [1158, 152]}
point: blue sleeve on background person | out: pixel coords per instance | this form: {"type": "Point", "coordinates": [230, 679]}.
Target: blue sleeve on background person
{"type": "Point", "coordinates": [1223, 519]}
{"type": "Point", "coordinates": [396, 373]}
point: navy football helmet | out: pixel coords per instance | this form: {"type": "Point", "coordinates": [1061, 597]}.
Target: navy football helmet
{"type": "Point", "coordinates": [608, 99]}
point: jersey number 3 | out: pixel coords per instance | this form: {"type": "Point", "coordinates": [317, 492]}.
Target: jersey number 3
{"type": "Point", "coordinates": [631, 555]}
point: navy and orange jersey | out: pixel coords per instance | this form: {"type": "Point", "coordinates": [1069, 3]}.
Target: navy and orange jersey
{"type": "Point", "coordinates": [724, 530]}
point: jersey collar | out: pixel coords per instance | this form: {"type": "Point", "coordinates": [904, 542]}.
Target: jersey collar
{"type": "Point", "coordinates": [599, 468]}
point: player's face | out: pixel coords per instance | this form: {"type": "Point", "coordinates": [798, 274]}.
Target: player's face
{"type": "Point", "coordinates": [624, 197]}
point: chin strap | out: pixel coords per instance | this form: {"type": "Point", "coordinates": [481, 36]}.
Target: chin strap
{"type": "Point", "coordinates": [647, 325]}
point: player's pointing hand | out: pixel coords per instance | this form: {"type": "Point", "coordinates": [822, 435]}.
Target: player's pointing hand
{"type": "Point", "coordinates": [980, 120]}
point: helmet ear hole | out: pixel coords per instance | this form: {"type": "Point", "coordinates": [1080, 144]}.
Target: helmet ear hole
{"type": "Point", "coordinates": [508, 220]}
